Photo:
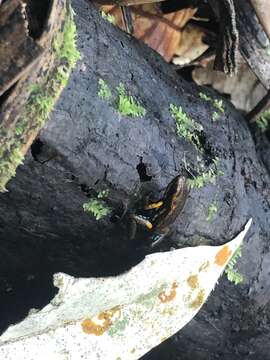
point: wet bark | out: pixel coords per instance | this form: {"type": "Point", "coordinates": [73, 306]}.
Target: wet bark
{"type": "Point", "coordinates": [87, 146]}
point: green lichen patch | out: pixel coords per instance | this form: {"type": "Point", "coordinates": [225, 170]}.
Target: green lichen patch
{"type": "Point", "coordinates": [127, 105]}
{"type": "Point", "coordinates": [104, 91]}
{"type": "Point", "coordinates": [118, 327]}
{"type": "Point", "coordinates": [263, 120]}
{"type": "Point", "coordinates": [198, 301]}
{"type": "Point", "coordinates": [233, 275]}
{"type": "Point", "coordinates": [150, 298]}
{"type": "Point", "coordinates": [41, 100]}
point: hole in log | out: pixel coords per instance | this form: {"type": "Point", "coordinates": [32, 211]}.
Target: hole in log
{"type": "Point", "coordinates": [36, 149]}
{"type": "Point", "coordinates": [142, 171]}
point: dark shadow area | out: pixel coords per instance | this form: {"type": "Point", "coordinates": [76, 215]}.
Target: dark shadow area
{"type": "Point", "coordinates": [44, 240]}
{"type": "Point", "coordinates": [37, 15]}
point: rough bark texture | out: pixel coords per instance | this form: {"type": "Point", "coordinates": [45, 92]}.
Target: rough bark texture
{"type": "Point", "coordinates": [89, 146]}
{"type": "Point", "coordinates": [253, 41]}
{"type": "Point", "coordinates": [30, 63]}
{"type": "Point", "coordinates": [17, 49]}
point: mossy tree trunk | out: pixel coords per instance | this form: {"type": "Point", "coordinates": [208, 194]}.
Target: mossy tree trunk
{"type": "Point", "coordinates": [34, 68]}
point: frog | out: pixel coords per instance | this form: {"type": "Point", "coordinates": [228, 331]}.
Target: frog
{"type": "Point", "coordinates": [157, 216]}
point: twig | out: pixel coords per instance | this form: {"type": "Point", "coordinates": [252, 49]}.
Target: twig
{"type": "Point", "coordinates": [259, 108]}
{"type": "Point", "coordinates": [156, 17]}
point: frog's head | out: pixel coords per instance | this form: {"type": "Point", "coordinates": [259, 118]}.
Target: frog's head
{"type": "Point", "coordinates": [176, 193]}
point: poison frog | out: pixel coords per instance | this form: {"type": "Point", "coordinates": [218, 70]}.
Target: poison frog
{"type": "Point", "coordinates": [157, 216]}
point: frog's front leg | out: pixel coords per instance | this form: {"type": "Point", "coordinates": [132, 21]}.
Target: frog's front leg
{"type": "Point", "coordinates": [138, 219]}
{"type": "Point", "coordinates": [142, 220]}
{"type": "Point", "coordinates": [132, 229]}
{"type": "Point", "coordinates": [158, 237]}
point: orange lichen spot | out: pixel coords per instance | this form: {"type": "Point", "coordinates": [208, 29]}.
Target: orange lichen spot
{"type": "Point", "coordinates": [204, 266]}
{"type": "Point", "coordinates": [90, 327]}
{"type": "Point", "coordinates": [223, 255]}
{"type": "Point", "coordinates": [198, 301]}
{"type": "Point", "coordinates": [164, 298]}
{"type": "Point", "coordinates": [97, 326]}
{"type": "Point", "coordinates": [193, 281]}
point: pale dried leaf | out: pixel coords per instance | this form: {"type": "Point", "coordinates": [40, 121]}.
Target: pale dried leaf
{"type": "Point", "coordinates": [120, 317]}
{"type": "Point", "coordinates": [191, 45]}
{"type": "Point", "coordinates": [161, 32]}
{"type": "Point", "coordinates": [244, 88]}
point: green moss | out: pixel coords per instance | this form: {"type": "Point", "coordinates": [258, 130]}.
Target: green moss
{"type": "Point", "coordinates": [212, 210]}
{"type": "Point", "coordinates": [185, 126]}
{"type": "Point", "coordinates": [218, 104]}
{"type": "Point", "coordinates": [127, 105]}
{"type": "Point", "coordinates": [205, 176]}
{"type": "Point", "coordinates": [204, 97]}
{"type": "Point", "coordinates": [263, 120]}
{"type": "Point", "coordinates": [108, 17]}
{"type": "Point", "coordinates": [215, 116]}
{"type": "Point", "coordinates": [232, 274]}
{"type": "Point", "coordinates": [65, 43]}
{"type": "Point", "coordinates": [201, 180]}
{"type": "Point", "coordinates": [8, 166]}
{"type": "Point", "coordinates": [103, 194]}
{"type": "Point", "coordinates": [190, 130]}
{"type": "Point", "coordinates": [97, 208]}
{"type": "Point", "coordinates": [41, 100]}
{"type": "Point", "coordinates": [104, 92]}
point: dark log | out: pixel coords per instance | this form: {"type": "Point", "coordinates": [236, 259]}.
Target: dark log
{"type": "Point", "coordinates": [87, 146]}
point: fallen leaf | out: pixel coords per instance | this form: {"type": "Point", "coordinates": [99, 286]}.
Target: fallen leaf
{"type": "Point", "coordinates": [121, 317]}
{"type": "Point", "coordinates": [191, 45]}
{"type": "Point", "coordinates": [161, 32]}
{"type": "Point", "coordinates": [244, 88]}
